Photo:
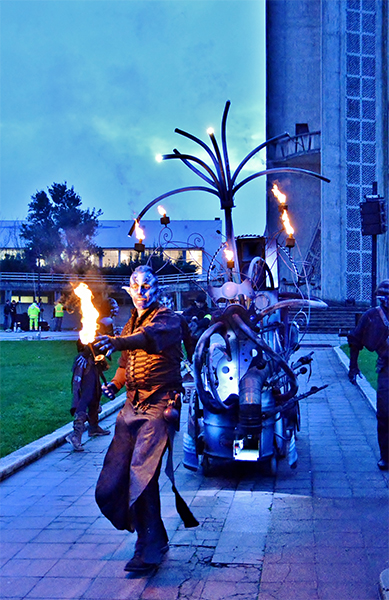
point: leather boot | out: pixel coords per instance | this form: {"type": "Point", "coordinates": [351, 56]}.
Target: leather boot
{"type": "Point", "coordinates": [96, 430]}
{"type": "Point", "coordinates": [74, 438]}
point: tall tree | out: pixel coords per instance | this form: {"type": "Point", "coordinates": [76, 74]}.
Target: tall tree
{"type": "Point", "coordinates": [57, 230]}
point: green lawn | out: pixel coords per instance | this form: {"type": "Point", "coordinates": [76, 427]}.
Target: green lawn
{"type": "Point", "coordinates": [35, 388]}
{"type": "Point", "coordinates": [367, 364]}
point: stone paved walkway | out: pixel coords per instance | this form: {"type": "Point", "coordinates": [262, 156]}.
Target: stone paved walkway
{"type": "Point", "coordinates": [319, 532]}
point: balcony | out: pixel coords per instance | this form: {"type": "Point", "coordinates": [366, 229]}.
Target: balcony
{"type": "Point", "coordinates": [295, 147]}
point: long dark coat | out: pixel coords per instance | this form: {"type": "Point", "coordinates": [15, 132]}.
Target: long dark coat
{"type": "Point", "coordinates": [152, 377]}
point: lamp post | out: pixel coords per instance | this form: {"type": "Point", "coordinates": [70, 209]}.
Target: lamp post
{"type": "Point", "coordinates": [39, 289]}
{"type": "Point", "coordinates": [373, 220]}
{"type": "Point", "coordinates": [221, 182]}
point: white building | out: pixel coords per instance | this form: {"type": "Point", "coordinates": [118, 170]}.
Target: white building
{"type": "Point", "coordinates": [195, 241]}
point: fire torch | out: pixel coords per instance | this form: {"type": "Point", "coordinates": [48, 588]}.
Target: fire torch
{"type": "Point", "coordinates": [89, 316]}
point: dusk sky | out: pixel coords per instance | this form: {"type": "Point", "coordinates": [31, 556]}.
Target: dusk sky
{"type": "Point", "coordinates": [92, 90]}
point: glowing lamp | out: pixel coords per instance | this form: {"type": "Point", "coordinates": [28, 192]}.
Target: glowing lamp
{"type": "Point", "coordinates": [210, 131]}
{"type": "Point", "coordinates": [159, 158]}
{"type": "Point", "coordinates": [139, 247]}
{"type": "Point", "coordinates": [164, 218]}
{"type": "Point", "coordinates": [230, 258]}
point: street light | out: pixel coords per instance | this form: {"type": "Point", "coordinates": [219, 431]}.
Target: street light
{"type": "Point", "coordinates": [373, 220]}
{"type": "Point", "coordinates": [221, 182]}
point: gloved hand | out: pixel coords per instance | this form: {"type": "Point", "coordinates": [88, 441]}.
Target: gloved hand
{"type": "Point", "coordinates": [353, 373]}
{"type": "Point", "coordinates": [109, 390]}
{"type": "Point", "coordinates": [105, 344]}
{"type": "Point", "coordinates": [81, 362]}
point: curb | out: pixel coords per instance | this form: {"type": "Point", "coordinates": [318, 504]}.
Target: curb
{"type": "Point", "coordinates": [370, 394]}
{"type": "Point", "coordinates": [24, 456]}
{"type": "Point", "coordinates": [367, 390]}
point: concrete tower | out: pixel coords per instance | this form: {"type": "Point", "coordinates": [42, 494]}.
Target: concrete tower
{"type": "Point", "coordinates": [327, 86]}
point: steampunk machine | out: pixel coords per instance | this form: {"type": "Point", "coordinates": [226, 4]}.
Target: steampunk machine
{"type": "Point", "coordinates": [244, 405]}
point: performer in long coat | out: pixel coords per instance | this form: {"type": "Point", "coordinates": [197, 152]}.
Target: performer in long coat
{"type": "Point", "coordinates": [127, 491]}
{"type": "Point", "coordinates": [372, 332]}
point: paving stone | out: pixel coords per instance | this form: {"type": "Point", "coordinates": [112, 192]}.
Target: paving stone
{"type": "Point", "coordinates": [59, 587]}
{"type": "Point", "coordinates": [26, 567]}
{"type": "Point", "coordinates": [319, 532]}
{"type": "Point", "coordinates": [17, 587]}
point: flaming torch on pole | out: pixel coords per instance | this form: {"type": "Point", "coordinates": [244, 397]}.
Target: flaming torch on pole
{"type": "Point", "coordinates": [89, 316]}
{"type": "Point", "coordinates": [283, 207]}
{"type": "Point", "coordinates": [139, 246]}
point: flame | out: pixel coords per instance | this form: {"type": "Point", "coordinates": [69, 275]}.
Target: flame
{"type": "Point", "coordinates": [161, 211]}
{"type": "Point", "coordinates": [228, 254]}
{"type": "Point", "coordinates": [287, 226]}
{"type": "Point", "coordinates": [284, 216]}
{"type": "Point", "coordinates": [278, 194]}
{"type": "Point", "coordinates": [139, 232]}
{"type": "Point", "coordinates": [89, 314]}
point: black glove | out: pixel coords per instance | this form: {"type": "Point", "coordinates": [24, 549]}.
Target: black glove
{"type": "Point", "coordinates": [105, 344]}
{"type": "Point", "coordinates": [81, 361]}
{"type": "Point", "coordinates": [109, 390]}
{"type": "Point", "coordinates": [108, 344]}
{"type": "Point", "coordinates": [353, 373]}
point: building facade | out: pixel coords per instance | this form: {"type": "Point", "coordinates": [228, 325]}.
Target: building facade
{"type": "Point", "coordinates": [193, 241]}
{"type": "Point", "coordinates": [327, 86]}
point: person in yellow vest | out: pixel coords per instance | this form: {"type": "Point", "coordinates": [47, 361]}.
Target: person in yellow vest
{"type": "Point", "coordinates": [58, 315]}
{"type": "Point", "coordinates": [33, 314]}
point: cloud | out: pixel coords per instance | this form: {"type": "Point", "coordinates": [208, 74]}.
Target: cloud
{"type": "Point", "coordinates": [93, 90]}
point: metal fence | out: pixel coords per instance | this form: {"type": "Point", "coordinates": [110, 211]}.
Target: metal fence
{"type": "Point", "coordinates": [60, 279]}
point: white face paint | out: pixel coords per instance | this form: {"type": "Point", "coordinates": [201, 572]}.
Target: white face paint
{"type": "Point", "coordinates": [143, 289]}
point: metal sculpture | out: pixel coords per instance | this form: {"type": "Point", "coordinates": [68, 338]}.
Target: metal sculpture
{"type": "Point", "coordinates": [246, 403]}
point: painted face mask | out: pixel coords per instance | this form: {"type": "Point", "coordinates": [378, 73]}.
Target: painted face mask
{"type": "Point", "coordinates": [143, 287]}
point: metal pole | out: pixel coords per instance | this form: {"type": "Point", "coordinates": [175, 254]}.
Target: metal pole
{"type": "Point", "coordinates": [373, 269]}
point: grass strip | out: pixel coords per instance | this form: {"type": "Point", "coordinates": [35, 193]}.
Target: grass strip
{"type": "Point", "coordinates": [35, 390]}
{"type": "Point", "coordinates": [367, 364]}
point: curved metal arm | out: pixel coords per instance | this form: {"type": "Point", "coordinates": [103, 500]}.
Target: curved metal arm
{"type": "Point", "coordinates": [220, 168]}
{"type": "Point", "coordinates": [214, 405]}
{"type": "Point", "coordinates": [280, 170]}
{"type": "Point", "coordinates": [266, 267]}
{"type": "Point", "coordinates": [293, 302]}
{"type": "Point", "coordinates": [276, 357]}
{"type": "Point", "coordinates": [197, 171]}
{"type": "Point", "coordinates": [257, 149]}
{"type": "Point", "coordinates": [224, 143]}
{"type": "Point", "coordinates": [200, 143]}
{"type": "Point", "coordinates": [177, 154]}
{"type": "Point", "coordinates": [172, 193]}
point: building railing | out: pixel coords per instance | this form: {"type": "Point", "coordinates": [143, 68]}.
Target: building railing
{"type": "Point", "coordinates": [294, 146]}
{"type": "Point", "coordinates": [117, 280]}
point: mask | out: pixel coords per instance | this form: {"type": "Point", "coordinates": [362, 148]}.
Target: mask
{"type": "Point", "coordinates": [143, 288]}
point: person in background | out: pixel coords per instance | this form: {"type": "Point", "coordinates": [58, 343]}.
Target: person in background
{"type": "Point", "coordinates": [108, 310]}
{"type": "Point", "coordinates": [7, 315]}
{"type": "Point", "coordinates": [372, 332]}
{"type": "Point", "coordinates": [58, 315]}
{"type": "Point", "coordinates": [198, 316]}
{"type": "Point", "coordinates": [86, 391]}
{"type": "Point", "coordinates": [14, 314]}
{"type": "Point", "coordinates": [127, 490]}
{"type": "Point", "coordinates": [33, 314]}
